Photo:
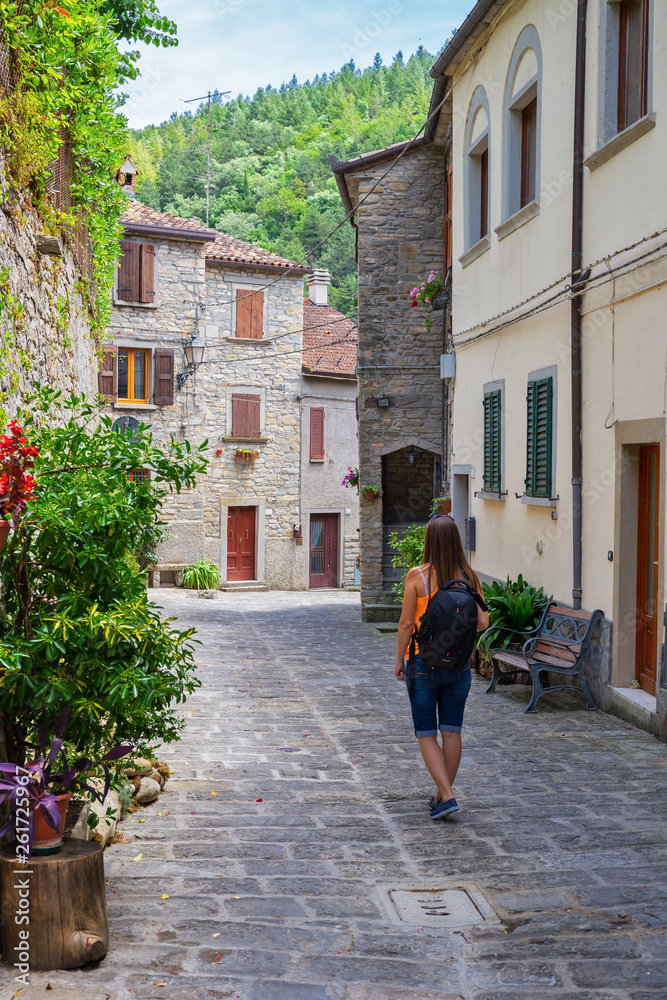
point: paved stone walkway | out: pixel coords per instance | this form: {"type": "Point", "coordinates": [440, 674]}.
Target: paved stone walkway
{"type": "Point", "coordinates": [299, 802]}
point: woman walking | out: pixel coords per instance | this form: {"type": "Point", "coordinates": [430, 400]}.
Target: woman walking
{"type": "Point", "coordinates": [439, 693]}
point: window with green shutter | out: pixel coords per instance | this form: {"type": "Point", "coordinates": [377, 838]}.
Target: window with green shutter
{"type": "Point", "coordinates": [539, 452]}
{"type": "Point", "coordinates": [492, 441]}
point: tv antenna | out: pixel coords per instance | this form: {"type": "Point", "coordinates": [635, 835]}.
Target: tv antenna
{"type": "Point", "coordinates": [207, 148]}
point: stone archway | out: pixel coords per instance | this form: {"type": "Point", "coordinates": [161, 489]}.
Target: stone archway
{"type": "Point", "coordinates": [408, 488]}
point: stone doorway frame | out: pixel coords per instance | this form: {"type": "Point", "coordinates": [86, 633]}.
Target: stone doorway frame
{"type": "Point", "coordinates": [260, 534]}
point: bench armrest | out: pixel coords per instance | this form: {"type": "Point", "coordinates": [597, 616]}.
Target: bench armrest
{"type": "Point", "coordinates": [502, 628]}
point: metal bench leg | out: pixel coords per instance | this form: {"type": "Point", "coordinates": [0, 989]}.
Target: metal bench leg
{"type": "Point", "coordinates": [495, 677]}
{"type": "Point", "coordinates": [591, 706]}
{"type": "Point", "coordinates": [538, 690]}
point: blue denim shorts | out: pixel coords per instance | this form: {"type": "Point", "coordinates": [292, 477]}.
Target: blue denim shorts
{"type": "Point", "coordinates": [439, 699]}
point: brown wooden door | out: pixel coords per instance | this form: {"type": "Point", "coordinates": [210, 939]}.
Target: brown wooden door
{"type": "Point", "coordinates": [648, 550]}
{"type": "Point", "coordinates": [323, 551]}
{"type": "Point", "coordinates": [241, 543]}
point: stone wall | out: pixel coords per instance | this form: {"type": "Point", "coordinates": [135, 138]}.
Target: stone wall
{"type": "Point", "coordinates": [46, 336]}
{"type": "Point", "coordinates": [399, 242]}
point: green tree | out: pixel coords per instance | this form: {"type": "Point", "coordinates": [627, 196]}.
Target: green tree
{"type": "Point", "coordinates": [76, 626]}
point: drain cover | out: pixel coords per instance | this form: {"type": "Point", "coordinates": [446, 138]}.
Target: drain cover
{"type": "Point", "coordinates": [450, 907]}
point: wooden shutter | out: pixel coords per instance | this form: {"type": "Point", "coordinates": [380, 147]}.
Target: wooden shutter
{"type": "Point", "coordinates": [147, 272]}
{"type": "Point", "coordinates": [106, 379]}
{"type": "Point", "coordinates": [540, 438]}
{"type": "Point", "coordinates": [257, 313]}
{"type": "Point", "coordinates": [128, 273]}
{"type": "Point", "coordinates": [492, 442]}
{"type": "Point", "coordinates": [316, 433]}
{"type": "Point", "coordinates": [246, 415]}
{"type": "Point", "coordinates": [244, 300]}
{"type": "Point", "coordinates": [163, 380]}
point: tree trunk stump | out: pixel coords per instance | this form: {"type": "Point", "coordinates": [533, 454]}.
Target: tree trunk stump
{"type": "Point", "coordinates": [65, 899]}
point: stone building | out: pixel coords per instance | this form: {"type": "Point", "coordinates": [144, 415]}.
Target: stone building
{"type": "Point", "coordinates": [329, 510]}
{"type": "Point", "coordinates": [205, 342]}
{"type": "Point", "coordinates": [403, 402]}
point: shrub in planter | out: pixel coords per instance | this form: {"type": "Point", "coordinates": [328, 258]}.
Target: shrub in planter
{"type": "Point", "coordinates": [515, 609]}
{"type": "Point", "coordinates": [202, 575]}
{"type": "Point", "coordinates": [76, 627]}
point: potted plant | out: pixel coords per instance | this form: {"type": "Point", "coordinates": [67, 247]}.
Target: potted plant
{"type": "Point", "coordinates": [441, 505]}
{"type": "Point", "coordinates": [16, 483]}
{"type": "Point", "coordinates": [351, 478]}
{"type": "Point", "coordinates": [430, 294]}
{"type": "Point", "coordinates": [247, 455]}
{"type": "Point", "coordinates": [39, 794]}
{"type": "Point", "coordinates": [202, 575]}
{"type": "Point", "coordinates": [371, 492]}
{"type": "Point", "coordinates": [515, 610]}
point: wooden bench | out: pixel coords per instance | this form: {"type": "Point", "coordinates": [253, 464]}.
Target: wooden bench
{"type": "Point", "coordinates": [558, 645]}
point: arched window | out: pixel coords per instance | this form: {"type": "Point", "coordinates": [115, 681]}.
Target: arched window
{"type": "Point", "coordinates": [522, 126]}
{"type": "Point", "coordinates": [476, 176]}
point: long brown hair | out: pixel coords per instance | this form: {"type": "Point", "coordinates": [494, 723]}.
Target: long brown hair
{"type": "Point", "coordinates": [444, 553]}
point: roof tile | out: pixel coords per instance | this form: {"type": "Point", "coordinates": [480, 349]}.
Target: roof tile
{"type": "Point", "coordinates": [329, 341]}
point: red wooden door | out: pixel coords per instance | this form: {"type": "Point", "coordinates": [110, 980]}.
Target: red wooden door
{"type": "Point", "coordinates": [323, 551]}
{"type": "Point", "coordinates": [648, 553]}
{"type": "Point", "coordinates": [241, 543]}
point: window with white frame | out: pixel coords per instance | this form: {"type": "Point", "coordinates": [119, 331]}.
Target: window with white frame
{"type": "Point", "coordinates": [476, 170]}
{"type": "Point", "coordinates": [522, 125]}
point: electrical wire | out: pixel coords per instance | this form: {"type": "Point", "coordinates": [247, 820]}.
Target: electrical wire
{"type": "Point", "coordinates": [304, 259]}
{"type": "Point", "coordinates": [566, 292]}
{"type": "Point", "coordinates": [554, 284]}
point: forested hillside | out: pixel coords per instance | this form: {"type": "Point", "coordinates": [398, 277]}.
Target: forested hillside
{"type": "Point", "coordinates": [271, 181]}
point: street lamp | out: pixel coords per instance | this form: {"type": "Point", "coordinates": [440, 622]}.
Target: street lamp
{"type": "Point", "coordinates": [194, 355]}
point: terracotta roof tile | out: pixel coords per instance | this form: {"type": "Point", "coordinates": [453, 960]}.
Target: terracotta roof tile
{"type": "Point", "coordinates": [228, 248]}
{"type": "Point", "coordinates": [329, 341]}
{"type": "Point", "coordinates": [142, 215]}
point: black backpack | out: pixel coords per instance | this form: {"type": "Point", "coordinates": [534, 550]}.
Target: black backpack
{"type": "Point", "coordinates": [446, 633]}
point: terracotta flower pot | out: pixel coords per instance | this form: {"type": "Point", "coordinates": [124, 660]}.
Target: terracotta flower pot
{"type": "Point", "coordinates": [4, 532]}
{"type": "Point", "coordinates": [46, 839]}
{"type": "Point", "coordinates": [445, 507]}
{"type": "Point", "coordinates": [371, 494]}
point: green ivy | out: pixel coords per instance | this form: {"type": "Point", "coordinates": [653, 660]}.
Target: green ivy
{"type": "Point", "coordinates": [68, 73]}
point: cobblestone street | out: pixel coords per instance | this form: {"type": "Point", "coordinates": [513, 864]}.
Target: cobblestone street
{"type": "Point", "coordinates": [298, 802]}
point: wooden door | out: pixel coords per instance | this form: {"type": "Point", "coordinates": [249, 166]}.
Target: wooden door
{"type": "Point", "coordinates": [241, 543]}
{"type": "Point", "coordinates": [648, 550]}
{"type": "Point", "coordinates": [323, 551]}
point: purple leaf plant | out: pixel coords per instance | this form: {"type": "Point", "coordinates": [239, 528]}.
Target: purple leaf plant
{"type": "Point", "coordinates": [38, 785]}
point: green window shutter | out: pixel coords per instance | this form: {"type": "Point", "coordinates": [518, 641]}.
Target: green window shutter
{"type": "Point", "coordinates": [539, 450]}
{"type": "Point", "coordinates": [492, 445]}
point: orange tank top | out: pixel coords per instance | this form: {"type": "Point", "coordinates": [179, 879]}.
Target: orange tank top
{"type": "Point", "coordinates": [422, 604]}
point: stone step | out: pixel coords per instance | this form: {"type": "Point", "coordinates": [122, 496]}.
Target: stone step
{"type": "Point", "coordinates": [382, 612]}
{"type": "Point", "coordinates": [385, 628]}
{"type": "Point", "coordinates": [243, 587]}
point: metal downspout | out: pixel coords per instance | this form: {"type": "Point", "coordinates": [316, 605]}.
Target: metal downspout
{"type": "Point", "coordinates": [575, 303]}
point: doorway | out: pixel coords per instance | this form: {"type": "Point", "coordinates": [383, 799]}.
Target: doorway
{"type": "Point", "coordinates": [648, 556]}
{"type": "Point", "coordinates": [323, 561]}
{"type": "Point", "coordinates": [241, 543]}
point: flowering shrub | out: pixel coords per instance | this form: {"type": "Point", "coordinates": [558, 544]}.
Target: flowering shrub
{"type": "Point", "coordinates": [17, 486]}
{"type": "Point", "coordinates": [422, 294]}
{"type": "Point", "coordinates": [351, 478]}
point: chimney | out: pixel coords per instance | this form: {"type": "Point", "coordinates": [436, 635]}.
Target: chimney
{"type": "Point", "coordinates": [126, 177]}
{"type": "Point", "coordinates": [317, 286]}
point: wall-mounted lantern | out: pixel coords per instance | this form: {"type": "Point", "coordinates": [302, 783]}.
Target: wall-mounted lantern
{"type": "Point", "coordinates": [194, 355]}
{"type": "Point", "coordinates": [413, 454]}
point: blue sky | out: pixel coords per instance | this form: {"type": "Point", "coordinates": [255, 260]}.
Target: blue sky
{"type": "Point", "coordinates": [240, 45]}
